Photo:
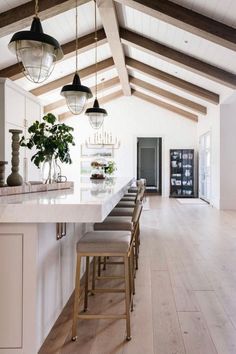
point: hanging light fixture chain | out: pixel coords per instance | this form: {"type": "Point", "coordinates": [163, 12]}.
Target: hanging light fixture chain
{"type": "Point", "coordinates": [96, 47]}
{"type": "Point", "coordinates": [36, 8]}
{"type": "Point", "coordinates": [76, 35]}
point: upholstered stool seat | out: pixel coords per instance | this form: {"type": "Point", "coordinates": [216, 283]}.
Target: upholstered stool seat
{"type": "Point", "coordinates": [96, 242]}
{"type": "Point", "coordinates": [129, 199]}
{"type": "Point", "coordinates": [126, 204]}
{"type": "Point", "coordinates": [122, 212]}
{"type": "Point", "coordinates": [115, 223]}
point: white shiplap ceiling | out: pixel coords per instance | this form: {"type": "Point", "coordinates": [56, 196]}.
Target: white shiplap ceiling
{"type": "Point", "coordinates": [223, 11]}
{"type": "Point", "coordinates": [176, 38]}
{"type": "Point", "coordinates": [62, 27]}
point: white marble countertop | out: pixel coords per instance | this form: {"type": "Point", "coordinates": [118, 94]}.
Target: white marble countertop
{"type": "Point", "coordinates": [89, 201]}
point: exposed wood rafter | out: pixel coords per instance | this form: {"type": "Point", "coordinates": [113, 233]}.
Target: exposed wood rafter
{"type": "Point", "coordinates": [103, 100]}
{"type": "Point", "coordinates": [169, 95]}
{"type": "Point", "coordinates": [85, 43]}
{"type": "Point", "coordinates": [109, 20]}
{"type": "Point", "coordinates": [173, 81]}
{"type": "Point", "coordinates": [165, 105]}
{"type": "Point", "coordinates": [178, 58]}
{"type": "Point", "coordinates": [20, 17]}
{"type": "Point", "coordinates": [102, 66]}
{"type": "Point", "coordinates": [187, 20]}
{"type": "Point", "coordinates": [101, 87]}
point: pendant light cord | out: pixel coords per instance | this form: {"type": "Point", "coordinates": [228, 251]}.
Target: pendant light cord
{"type": "Point", "coordinates": [76, 35]}
{"type": "Point", "coordinates": [36, 9]}
{"type": "Point", "coordinates": [96, 48]}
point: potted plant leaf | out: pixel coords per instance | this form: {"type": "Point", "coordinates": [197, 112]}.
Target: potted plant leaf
{"type": "Point", "coordinates": [51, 142]}
{"type": "Point", "coordinates": [110, 168]}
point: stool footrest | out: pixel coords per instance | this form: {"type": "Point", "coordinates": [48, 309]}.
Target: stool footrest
{"type": "Point", "coordinates": [101, 317]}
{"type": "Point", "coordinates": [107, 262]}
{"type": "Point", "coordinates": [107, 290]}
{"type": "Point", "coordinates": [110, 277]}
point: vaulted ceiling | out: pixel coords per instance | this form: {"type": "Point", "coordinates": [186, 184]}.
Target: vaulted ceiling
{"type": "Point", "coordinates": [179, 55]}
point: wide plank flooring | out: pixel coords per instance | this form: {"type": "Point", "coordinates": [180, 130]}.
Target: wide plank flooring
{"type": "Point", "coordinates": [185, 300]}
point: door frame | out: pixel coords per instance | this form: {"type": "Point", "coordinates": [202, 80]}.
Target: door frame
{"type": "Point", "coordinates": [199, 168]}
{"type": "Point", "coordinates": [162, 157]}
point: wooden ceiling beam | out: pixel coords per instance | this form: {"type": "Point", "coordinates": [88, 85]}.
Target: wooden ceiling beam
{"type": "Point", "coordinates": [173, 81]}
{"type": "Point", "coordinates": [109, 20]}
{"type": "Point", "coordinates": [111, 97]}
{"type": "Point", "coordinates": [167, 106]}
{"type": "Point", "coordinates": [85, 43]}
{"type": "Point", "coordinates": [20, 17]}
{"type": "Point", "coordinates": [187, 20]}
{"type": "Point", "coordinates": [101, 87]}
{"type": "Point", "coordinates": [178, 58]}
{"type": "Point", "coordinates": [102, 66]}
{"type": "Point", "coordinates": [169, 95]}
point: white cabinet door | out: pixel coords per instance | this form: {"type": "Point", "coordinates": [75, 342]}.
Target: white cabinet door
{"type": "Point", "coordinates": [15, 107]}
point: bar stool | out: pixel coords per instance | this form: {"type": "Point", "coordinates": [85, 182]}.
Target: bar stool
{"type": "Point", "coordinates": [125, 223]}
{"type": "Point", "coordinates": [139, 183]}
{"type": "Point", "coordinates": [103, 244]}
{"type": "Point", "coordinates": [132, 203]}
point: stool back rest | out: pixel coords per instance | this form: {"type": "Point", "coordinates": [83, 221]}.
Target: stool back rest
{"type": "Point", "coordinates": [141, 183]}
{"type": "Point", "coordinates": [140, 195]}
{"type": "Point", "coordinates": [137, 212]}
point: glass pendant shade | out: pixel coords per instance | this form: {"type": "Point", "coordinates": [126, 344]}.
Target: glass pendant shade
{"type": "Point", "coordinates": [37, 51]}
{"type": "Point", "coordinates": [76, 95]}
{"type": "Point", "coordinates": [96, 115]}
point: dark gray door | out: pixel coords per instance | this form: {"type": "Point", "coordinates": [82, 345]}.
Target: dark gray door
{"type": "Point", "coordinates": [148, 166]}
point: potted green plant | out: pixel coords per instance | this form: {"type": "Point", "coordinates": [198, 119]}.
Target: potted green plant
{"type": "Point", "coordinates": [110, 168]}
{"type": "Point", "coordinates": [52, 142]}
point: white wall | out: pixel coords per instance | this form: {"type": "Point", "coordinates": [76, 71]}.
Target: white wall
{"type": "Point", "coordinates": [228, 154]}
{"type": "Point", "coordinates": [129, 118]}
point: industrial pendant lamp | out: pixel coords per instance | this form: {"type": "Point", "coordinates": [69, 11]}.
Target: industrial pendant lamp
{"type": "Point", "coordinates": [37, 51]}
{"type": "Point", "coordinates": [76, 95]}
{"type": "Point", "coordinates": [96, 114]}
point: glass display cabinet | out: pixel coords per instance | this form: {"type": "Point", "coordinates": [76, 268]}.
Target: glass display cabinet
{"type": "Point", "coordinates": [182, 173]}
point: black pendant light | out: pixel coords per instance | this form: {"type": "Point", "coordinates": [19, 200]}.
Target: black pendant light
{"type": "Point", "coordinates": [96, 114]}
{"type": "Point", "coordinates": [37, 51]}
{"type": "Point", "coordinates": [76, 95]}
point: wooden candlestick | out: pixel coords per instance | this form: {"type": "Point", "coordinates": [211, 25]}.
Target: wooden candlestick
{"type": "Point", "coordinates": [15, 179]}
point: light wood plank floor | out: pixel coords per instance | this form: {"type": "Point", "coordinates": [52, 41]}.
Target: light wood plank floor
{"type": "Point", "coordinates": [185, 300]}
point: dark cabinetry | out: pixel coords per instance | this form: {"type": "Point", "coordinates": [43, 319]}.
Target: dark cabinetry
{"type": "Point", "coordinates": [182, 173]}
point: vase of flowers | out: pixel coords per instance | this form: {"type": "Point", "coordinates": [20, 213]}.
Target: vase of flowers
{"type": "Point", "coordinates": [52, 142]}
{"type": "Point", "coordinates": [110, 168]}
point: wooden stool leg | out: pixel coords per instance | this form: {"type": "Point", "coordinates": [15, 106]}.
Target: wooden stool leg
{"type": "Point", "coordinates": [86, 285]}
{"type": "Point", "coordinates": [127, 298]}
{"type": "Point", "coordinates": [104, 263]}
{"type": "Point", "coordinates": [136, 253]}
{"type": "Point", "coordinates": [131, 281]}
{"type": "Point", "coordinates": [94, 275]}
{"type": "Point", "coordinates": [133, 270]}
{"type": "Point", "coordinates": [99, 266]}
{"type": "Point", "coordinates": [76, 299]}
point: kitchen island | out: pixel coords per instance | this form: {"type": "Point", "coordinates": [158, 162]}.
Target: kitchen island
{"type": "Point", "coordinates": [38, 236]}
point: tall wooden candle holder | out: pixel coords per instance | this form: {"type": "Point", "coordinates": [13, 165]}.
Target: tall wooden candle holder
{"type": "Point", "coordinates": [15, 179]}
